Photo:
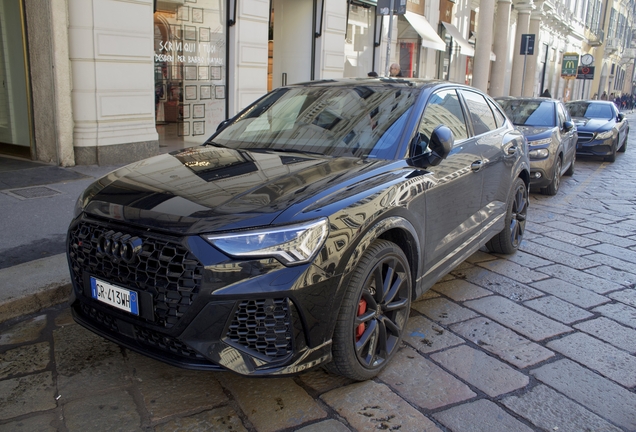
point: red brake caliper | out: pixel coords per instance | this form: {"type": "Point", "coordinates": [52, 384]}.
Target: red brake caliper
{"type": "Point", "coordinates": [362, 308]}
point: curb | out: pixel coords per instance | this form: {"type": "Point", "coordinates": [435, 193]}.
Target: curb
{"type": "Point", "coordinates": [30, 287]}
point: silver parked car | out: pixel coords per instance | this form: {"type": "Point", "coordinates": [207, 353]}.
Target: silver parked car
{"type": "Point", "coordinates": [551, 135]}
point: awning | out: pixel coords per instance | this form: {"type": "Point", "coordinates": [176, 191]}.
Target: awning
{"type": "Point", "coordinates": [430, 38]}
{"type": "Point", "coordinates": [465, 47]}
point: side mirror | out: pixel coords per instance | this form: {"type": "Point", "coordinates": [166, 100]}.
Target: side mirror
{"type": "Point", "coordinates": [620, 117]}
{"type": "Point", "coordinates": [223, 124]}
{"type": "Point", "coordinates": [440, 144]}
{"type": "Point", "coordinates": [568, 126]}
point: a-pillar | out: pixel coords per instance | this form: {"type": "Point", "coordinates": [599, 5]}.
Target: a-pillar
{"type": "Point", "coordinates": [523, 23]}
{"type": "Point", "coordinates": [500, 47]}
{"type": "Point", "coordinates": [483, 45]}
{"type": "Point", "coordinates": [531, 81]}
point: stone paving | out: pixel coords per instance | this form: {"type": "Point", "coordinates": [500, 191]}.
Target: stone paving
{"type": "Point", "coordinates": [541, 340]}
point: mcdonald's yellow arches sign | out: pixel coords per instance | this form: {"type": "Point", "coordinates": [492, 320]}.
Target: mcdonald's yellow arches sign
{"type": "Point", "coordinates": [570, 64]}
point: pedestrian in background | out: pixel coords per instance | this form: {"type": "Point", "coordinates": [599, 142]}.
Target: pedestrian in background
{"type": "Point", "coordinates": [395, 71]}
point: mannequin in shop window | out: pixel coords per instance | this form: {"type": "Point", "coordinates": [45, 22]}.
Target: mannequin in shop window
{"type": "Point", "coordinates": [395, 71]}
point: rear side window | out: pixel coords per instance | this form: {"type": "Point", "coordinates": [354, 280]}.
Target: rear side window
{"type": "Point", "coordinates": [499, 117]}
{"type": "Point", "coordinates": [480, 113]}
{"type": "Point", "coordinates": [443, 108]}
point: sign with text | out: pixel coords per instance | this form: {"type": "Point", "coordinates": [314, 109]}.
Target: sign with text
{"type": "Point", "coordinates": [570, 65]}
{"type": "Point", "coordinates": [585, 72]}
{"type": "Point", "coordinates": [527, 44]}
{"type": "Point", "coordinates": [384, 7]}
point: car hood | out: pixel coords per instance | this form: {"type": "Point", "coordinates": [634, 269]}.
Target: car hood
{"type": "Point", "coordinates": [535, 132]}
{"type": "Point", "coordinates": [590, 124]}
{"type": "Point", "coordinates": [207, 189]}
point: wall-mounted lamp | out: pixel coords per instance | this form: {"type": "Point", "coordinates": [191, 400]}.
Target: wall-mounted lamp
{"type": "Point", "coordinates": [231, 12]}
{"type": "Point", "coordinates": [319, 9]}
{"type": "Point", "coordinates": [377, 38]}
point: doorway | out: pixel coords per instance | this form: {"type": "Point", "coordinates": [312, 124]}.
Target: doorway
{"type": "Point", "coordinates": [291, 41]}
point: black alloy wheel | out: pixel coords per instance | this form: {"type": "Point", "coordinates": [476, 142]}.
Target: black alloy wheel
{"type": "Point", "coordinates": [373, 314]}
{"type": "Point", "coordinates": [509, 238]}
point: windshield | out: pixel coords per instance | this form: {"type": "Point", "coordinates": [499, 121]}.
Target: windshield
{"type": "Point", "coordinates": [529, 113]}
{"type": "Point", "coordinates": [590, 110]}
{"type": "Point", "coordinates": [363, 121]}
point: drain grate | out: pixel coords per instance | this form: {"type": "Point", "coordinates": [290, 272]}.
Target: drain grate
{"type": "Point", "coordinates": [33, 192]}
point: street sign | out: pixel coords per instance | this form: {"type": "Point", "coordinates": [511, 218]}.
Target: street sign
{"type": "Point", "coordinates": [570, 65]}
{"type": "Point", "coordinates": [384, 7]}
{"type": "Point", "coordinates": [585, 73]}
{"type": "Point", "coordinates": [527, 44]}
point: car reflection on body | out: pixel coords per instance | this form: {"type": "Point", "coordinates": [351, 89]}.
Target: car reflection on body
{"type": "Point", "coordinates": [299, 233]}
{"type": "Point", "coordinates": [602, 129]}
{"type": "Point", "coordinates": [551, 136]}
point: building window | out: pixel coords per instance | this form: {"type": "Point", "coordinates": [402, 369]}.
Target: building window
{"type": "Point", "coordinates": [190, 70]}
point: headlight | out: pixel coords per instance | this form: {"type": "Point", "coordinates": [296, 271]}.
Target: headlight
{"type": "Point", "coordinates": [538, 153]}
{"type": "Point", "coordinates": [605, 135]}
{"type": "Point", "coordinates": [291, 244]}
{"type": "Point", "coordinates": [539, 142]}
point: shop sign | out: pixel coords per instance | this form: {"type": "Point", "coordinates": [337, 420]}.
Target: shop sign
{"type": "Point", "coordinates": [570, 64]}
{"type": "Point", "coordinates": [585, 73]}
{"type": "Point", "coordinates": [384, 7]}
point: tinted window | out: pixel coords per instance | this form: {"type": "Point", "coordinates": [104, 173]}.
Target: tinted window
{"type": "Point", "coordinates": [590, 110]}
{"type": "Point", "coordinates": [443, 108]}
{"type": "Point", "coordinates": [336, 121]}
{"type": "Point", "coordinates": [529, 112]}
{"type": "Point", "coordinates": [480, 113]}
{"type": "Point", "coordinates": [499, 117]}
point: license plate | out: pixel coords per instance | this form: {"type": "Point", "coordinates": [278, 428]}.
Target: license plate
{"type": "Point", "coordinates": [118, 297]}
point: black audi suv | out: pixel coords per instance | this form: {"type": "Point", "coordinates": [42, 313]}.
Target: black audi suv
{"type": "Point", "coordinates": [301, 231]}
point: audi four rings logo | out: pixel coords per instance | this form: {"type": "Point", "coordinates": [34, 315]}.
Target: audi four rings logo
{"type": "Point", "coordinates": [119, 246]}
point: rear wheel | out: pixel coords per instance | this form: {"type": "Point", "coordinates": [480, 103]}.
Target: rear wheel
{"type": "Point", "coordinates": [553, 187]}
{"type": "Point", "coordinates": [509, 239]}
{"type": "Point", "coordinates": [373, 314]}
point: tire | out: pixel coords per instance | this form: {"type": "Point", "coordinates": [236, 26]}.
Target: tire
{"type": "Point", "coordinates": [371, 321]}
{"type": "Point", "coordinates": [509, 239]}
{"type": "Point", "coordinates": [612, 157]}
{"type": "Point", "coordinates": [553, 187]}
{"type": "Point", "coordinates": [570, 170]}
{"type": "Point", "coordinates": [623, 147]}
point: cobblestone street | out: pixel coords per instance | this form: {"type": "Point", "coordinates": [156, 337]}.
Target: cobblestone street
{"type": "Point", "coordinates": [540, 340]}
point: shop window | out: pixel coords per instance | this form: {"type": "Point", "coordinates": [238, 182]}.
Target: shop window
{"type": "Point", "coordinates": [190, 69]}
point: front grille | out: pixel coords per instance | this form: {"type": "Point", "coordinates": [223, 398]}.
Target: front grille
{"type": "Point", "coordinates": [585, 137]}
{"type": "Point", "coordinates": [163, 268]}
{"type": "Point", "coordinates": [263, 326]}
{"type": "Point", "coordinates": [165, 343]}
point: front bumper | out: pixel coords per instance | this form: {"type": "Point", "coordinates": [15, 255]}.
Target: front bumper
{"type": "Point", "coordinates": [545, 170]}
{"type": "Point", "coordinates": [586, 145]}
{"type": "Point", "coordinates": [200, 309]}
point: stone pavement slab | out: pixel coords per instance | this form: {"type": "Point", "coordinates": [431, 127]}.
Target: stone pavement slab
{"type": "Point", "coordinates": [571, 293]}
{"type": "Point", "coordinates": [551, 411]}
{"type": "Point", "coordinates": [426, 385]}
{"type": "Point", "coordinates": [611, 332]}
{"type": "Point", "coordinates": [479, 416]}
{"type": "Point", "coordinates": [115, 411]}
{"type": "Point", "coordinates": [600, 395]}
{"type": "Point", "coordinates": [557, 309]}
{"type": "Point", "coordinates": [372, 406]}
{"type": "Point", "coordinates": [484, 372]}
{"type": "Point", "coordinates": [223, 419]}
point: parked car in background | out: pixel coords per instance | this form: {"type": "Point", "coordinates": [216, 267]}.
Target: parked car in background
{"type": "Point", "coordinates": [299, 233]}
{"type": "Point", "coordinates": [602, 129]}
{"type": "Point", "coordinates": [551, 136]}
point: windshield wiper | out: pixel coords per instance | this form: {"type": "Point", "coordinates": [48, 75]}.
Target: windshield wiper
{"type": "Point", "coordinates": [284, 150]}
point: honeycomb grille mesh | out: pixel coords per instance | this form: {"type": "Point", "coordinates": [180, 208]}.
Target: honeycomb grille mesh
{"type": "Point", "coordinates": [164, 268]}
{"type": "Point", "coordinates": [264, 326]}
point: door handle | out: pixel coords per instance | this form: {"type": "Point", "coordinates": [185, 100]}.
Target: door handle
{"type": "Point", "coordinates": [477, 165]}
{"type": "Point", "coordinates": [511, 150]}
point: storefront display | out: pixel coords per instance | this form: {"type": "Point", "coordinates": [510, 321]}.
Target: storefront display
{"type": "Point", "coordinates": [190, 69]}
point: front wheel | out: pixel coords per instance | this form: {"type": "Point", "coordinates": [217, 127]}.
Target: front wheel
{"type": "Point", "coordinates": [623, 147]}
{"type": "Point", "coordinates": [509, 239]}
{"type": "Point", "coordinates": [373, 314]}
{"type": "Point", "coordinates": [570, 170]}
{"type": "Point", "coordinates": [612, 156]}
{"type": "Point", "coordinates": [553, 187]}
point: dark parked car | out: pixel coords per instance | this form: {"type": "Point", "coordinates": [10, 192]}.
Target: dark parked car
{"type": "Point", "coordinates": [602, 129]}
{"type": "Point", "coordinates": [551, 136]}
{"type": "Point", "coordinates": [299, 233]}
